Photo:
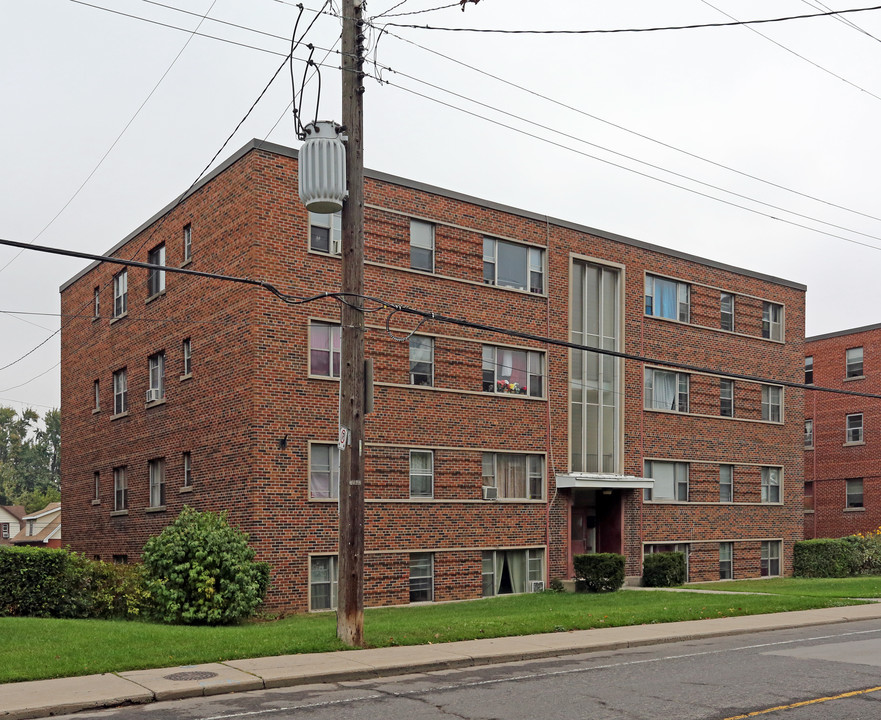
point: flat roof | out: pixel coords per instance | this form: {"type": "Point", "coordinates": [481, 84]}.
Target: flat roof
{"type": "Point", "coordinates": [285, 151]}
{"type": "Point", "coordinates": [840, 333]}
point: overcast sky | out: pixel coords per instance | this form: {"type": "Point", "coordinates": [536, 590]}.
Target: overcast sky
{"type": "Point", "coordinates": [149, 105]}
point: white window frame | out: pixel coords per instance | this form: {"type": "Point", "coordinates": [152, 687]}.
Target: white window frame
{"type": "Point", "coordinates": [420, 476]}
{"type": "Point", "coordinates": [679, 402]}
{"type": "Point", "coordinates": [421, 577]}
{"type": "Point", "coordinates": [726, 560]}
{"type": "Point", "coordinates": [421, 349]}
{"type": "Point", "coordinates": [332, 352]}
{"type": "Point", "coordinates": [772, 403]}
{"type": "Point", "coordinates": [120, 489]}
{"type": "Point", "coordinates": [726, 397]}
{"type": "Point", "coordinates": [533, 265]}
{"type": "Point", "coordinates": [726, 483]}
{"type": "Point", "coordinates": [187, 354]}
{"type": "Point", "coordinates": [809, 370]}
{"type": "Point", "coordinates": [496, 360]}
{"type": "Point", "coordinates": [120, 391]}
{"type": "Point", "coordinates": [853, 362]}
{"type": "Point", "coordinates": [331, 583]}
{"type": "Point", "coordinates": [156, 471]}
{"type": "Point", "coordinates": [681, 482]}
{"type": "Point", "coordinates": [853, 429]}
{"type": "Point", "coordinates": [534, 475]}
{"type": "Point", "coordinates": [772, 321]}
{"type": "Point", "coordinates": [772, 485]}
{"type": "Point", "coordinates": [120, 293]}
{"type": "Point", "coordinates": [5, 530]}
{"type": "Point", "coordinates": [683, 298]}
{"type": "Point", "coordinates": [770, 558]}
{"type": "Point", "coordinates": [97, 302]}
{"type": "Point", "coordinates": [187, 462]}
{"type": "Point", "coordinates": [422, 236]}
{"type": "Point", "coordinates": [809, 434]}
{"type": "Point", "coordinates": [853, 493]}
{"type": "Point", "coordinates": [493, 561]}
{"type": "Point", "coordinates": [318, 454]}
{"type": "Point", "coordinates": [188, 242]}
{"type": "Point", "coordinates": [333, 224]}
{"type": "Point", "coordinates": [684, 548]}
{"type": "Point", "coordinates": [726, 311]}
{"type": "Point", "coordinates": [156, 375]}
{"type": "Point", "coordinates": [156, 278]}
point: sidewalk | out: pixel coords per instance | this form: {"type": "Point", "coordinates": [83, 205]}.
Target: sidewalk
{"type": "Point", "coordinates": [42, 698]}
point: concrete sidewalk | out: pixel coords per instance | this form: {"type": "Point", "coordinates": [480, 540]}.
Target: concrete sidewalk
{"type": "Point", "coordinates": [43, 698]}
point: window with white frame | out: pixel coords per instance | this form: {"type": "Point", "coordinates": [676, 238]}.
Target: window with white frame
{"type": "Point", "coordinates": [187, 354]}
{"type": "Point", "coordinates": [324, 349]}
{"type": "Point", "coordinates": [120, 294]}
{"type": "Point", "coordinates": [505, 572]}
{"type": "Point", "coordinates": [512, 265]}
{"type": "Point", "coordinates": [726, 483]}
{"type": "Point", "coordinates": [666, 390]}
{"type": "Point", "coordinates": [684, 548]}
{"type": "Point", "coordinates": [854, 428]}
{"type": "Point", "coordinates": [188, 242]}
{"type": "Point", "coordinates": [120, 392]}
{"type": "Point", "coordinates": [421, 360]}
{"type": "Point", "coordinates": [516, 476]}
{"type": "Point", "coordinates": [770, 563]}
{"type": "Point", "coordinates": [422, 245]}
{"type": "Point", "coordinates": [853, 491]}
{"type": "Point", "coordinates": [670, 481]}
{"type": "Point", "coordinates": [156, 277]}
{"type": "Point", "coordinates": [324, 471]}
{"type": "Point", "coordinates": [97, 392]}
{"type": "Point", "coordinates": [97, 302]}
{"type": "Point", "coordinates": [517, 372]}
{"type": "Point", "coordinates": [156, 469]}
{"type": "Point", "coordinates": [5, 530]}
{"type": "Point", "coordinates": [853, 362]}
{"type": "Point", "coordinates": [156, 370]}
{"type": "Point", "coordinates": [726, 398]}
{"type": "Point", "coordinates": [323, 582]}
{"type": "Point", "coordinates": [771, 408]}
{"type": "Point", "coordinates": [809, 434]}
{"type": "Point", "coordinates": [726, 311]}
{"type": "Point", "coordinates": [325, 232]}
{"type": "Point", "coordinates": [421, 577]}
{"type": "Point", "coordinates": [809, 370]}
{"type": "Point", "coordinates": [421, 473]}
{"type": "Point", "coordinates": [187, 459]}
{"type": "Point", "coordinates": [665, 298]}
{"type": "Point", "coordinates": [726, 560]}
{"type": "Point", "coordinates": [96, 476]}
{"type": "Point", "coordinates": [770, 485]}
{"type": "Point", "coordinates": [772, 321]}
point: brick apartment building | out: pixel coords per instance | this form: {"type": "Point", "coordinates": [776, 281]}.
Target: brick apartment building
{"type": "Point", "coordinates": [842, 446]}
{"type": "Point", "coordinates": [490, 460]}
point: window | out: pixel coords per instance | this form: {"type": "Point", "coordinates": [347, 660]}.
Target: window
{"type": "Point", "coordinates": [854, 428]}
{"type": "Point", "coordinates": [853, 362]}
{"type": "Point", "coordinates": [421, 473]}
{"type": "Point", "coordinates": [325, 232]}
{"type": "Point", "coordinates": [515, 476]}
{"type": "Point", "coordinates": [594, 380]}
{"type": "Point", "coordinates": [323, 578]}
{"type": "Point", "coordinates": [421, 360]}
{"type": "Point", "coordinates": [120, 294]}
{"type": "Point", "coordinates": [772, 321]}
{"type": "Point", "coordinates": [726, 561]}
{"type": "Point", "coordinates": [156, 367]}
{"type": "Point", "coordinates": [771, 403]}
{"type": "Point", "coordinates": [120, 392]}
{"type": "Point", "coordinates": [809, 370]}
{"type": "Point", "coordinates": [4, 530]}
{"type": "Point", "coordinates": [683, 548]}
{"type": "Point", "coordinates": [511, 571]}
{"type": "Point", "coordinates": [770, 558]}
{"type": "Point", "coordinates": [421, 245]}
{"type": "Point", "coordinates": [671, 481]}
{"type": "Point", "coordinates": [188, 469]}
{"type": "Point", "coordinates": [188, 242]}
{"type": "Point", "coordinates": [187, 352]}
{"type": "Point", "coordinates": [31, 528]}
{"type": "Point", "coordinates": [324, 471]}
{"type": "Point", "coordinates": [770, 485]}
{"type": "Point", "coordinates": [726, 483]}
{"type": "Point", "coordinates": [324, 349]}
{"type": "Point", "coordinates": [421, 577]}
{"type": "Point", "coordinates": [97, 393]}
{"type": "Point", "coordinates": [809, 434]}
{"type": "Point", "coordinates": [809, 495]}
{"type": "Point", "coordinates": [726, 398]}
{"type": "Point", "coordinates": [156, 278]}
{"type": "Point", "coordinates": [854, 493]}
{"type": "Point", "coordinates": [665, 390]}
{"type": "Point", "coordinates": [120, 489]}
{"type": "Point", "coordinates": [518, 372]}
{"type": "Point", "coordinates": [97, 480]}
{"type": "Point", "coordinates": [726, 309]}
{"type": "Point", "coordinates": [97, 302]}
{"type": "Point", "coordinates": [666, 298]}
{"type": "Point", "coordinates": [511, 265]}
{"type": "Point", "coordinates": [157, 482]}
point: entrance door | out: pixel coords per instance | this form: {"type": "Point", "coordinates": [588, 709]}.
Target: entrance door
{"type": "Point", "coordinates": [584, 531]}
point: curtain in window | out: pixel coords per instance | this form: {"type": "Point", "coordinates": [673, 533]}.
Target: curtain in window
{"type": "Point", "coordinates": [517, 569]}
{"type": "Point", "coordinates": [664, 475]}
{"type": "Point", "coordinates": [511, 475]}
{"type": "Point", "coordinates": [664, 391]}
{"type": "Point", "coordinates": [666, 304]}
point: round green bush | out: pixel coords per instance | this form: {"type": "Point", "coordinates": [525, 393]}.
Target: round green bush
{"type": "Point", "coordinates": [201, 571]}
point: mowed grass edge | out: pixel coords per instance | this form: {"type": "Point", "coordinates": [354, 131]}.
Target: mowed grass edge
{"type": "Point", "coordinates": [38, 648]}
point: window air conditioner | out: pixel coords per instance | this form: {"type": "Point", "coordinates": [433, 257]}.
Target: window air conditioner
{"type": "Point", "coordinates": [154, 394]}
{"type": "Point", "coordinates": [536, 585]}
{"type": "Point", "coordinates": [490, 492]}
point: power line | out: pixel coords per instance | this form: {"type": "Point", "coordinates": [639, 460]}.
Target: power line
{"type": "Point", "coordinates": [845, 21]}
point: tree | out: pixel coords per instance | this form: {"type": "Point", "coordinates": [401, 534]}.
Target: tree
{"type": "Point", "coordinates": [29, 458]}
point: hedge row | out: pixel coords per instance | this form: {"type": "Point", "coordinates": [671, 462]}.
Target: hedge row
{"type": "Point", "coordinates": [838, 557]}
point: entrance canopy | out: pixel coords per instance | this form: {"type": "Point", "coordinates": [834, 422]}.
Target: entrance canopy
{"type": "Point", "coordinates": [603, 481]}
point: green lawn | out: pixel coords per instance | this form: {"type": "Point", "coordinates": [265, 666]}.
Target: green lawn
{"type": "Point", "coordinates": [35, 648]}
{"type": "Point", "coordinates": [850, 587]}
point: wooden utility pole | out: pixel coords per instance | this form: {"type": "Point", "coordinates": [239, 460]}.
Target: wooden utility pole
{"type": "Point", "coordinates": [350, 600]}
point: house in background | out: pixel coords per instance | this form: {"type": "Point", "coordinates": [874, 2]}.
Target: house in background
{"type": "Point", "coordinates": [843, 434]}
{"type": "Point", "coordinates": [490, 459]}
{"type": "Point", "coordinates": [41, 528]}
{"type": "Point", "coordinates": [11, 521]}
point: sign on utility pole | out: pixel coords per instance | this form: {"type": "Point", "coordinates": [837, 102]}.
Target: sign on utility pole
{"type": "Point", "coordinates": [350, 613]}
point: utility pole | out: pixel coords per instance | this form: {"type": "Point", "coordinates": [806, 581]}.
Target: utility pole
{"type": "Point", "coordinates": [350, 599]}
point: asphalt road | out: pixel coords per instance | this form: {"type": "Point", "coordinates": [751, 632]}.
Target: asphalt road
{"type": "Point", "coordinates": [831, 672]}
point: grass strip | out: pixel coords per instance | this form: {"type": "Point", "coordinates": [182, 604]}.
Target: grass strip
{"type": "Point", "coordinates": [868, 586]}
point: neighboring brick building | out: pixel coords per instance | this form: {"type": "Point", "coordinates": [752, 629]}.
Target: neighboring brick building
{"type": "Point", "coordinates": [220, 396]}
{"type": "Point", "coordinates": [842, 441]}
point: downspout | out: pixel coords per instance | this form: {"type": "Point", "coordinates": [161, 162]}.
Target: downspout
{"type": "Point", "coordinates": [549, 445]}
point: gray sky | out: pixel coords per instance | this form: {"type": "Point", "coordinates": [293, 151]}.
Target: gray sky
{"type": "Point", "coordinates": [798, 108]}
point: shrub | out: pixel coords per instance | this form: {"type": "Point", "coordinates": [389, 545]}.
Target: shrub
{"type": "Point", "coordinates": [200, 571]}
{"type": "Point", "coordinates": [825, 558]}
{"type": "Point", "coordinates": [602, 572]}
{"type": "Point", "coordinates": [556, 585]}
{"type": "Point", "coordinates": [118, 591]}
{"type": "Point", "coordinates": [663, 569]}
{"type": "Point", "coordinates": [866, 553]}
